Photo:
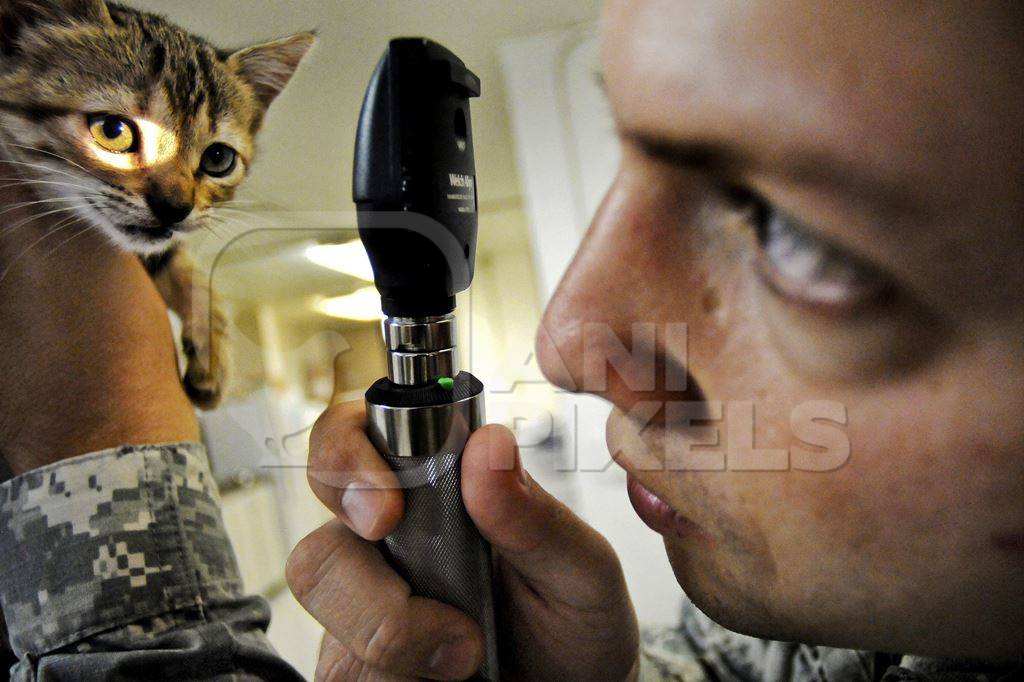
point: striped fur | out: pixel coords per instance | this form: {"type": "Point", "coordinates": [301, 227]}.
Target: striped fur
{"type": "Point", "coordinates": [61, 60]}
{"type": "Point", "coordinates": [64, 60]}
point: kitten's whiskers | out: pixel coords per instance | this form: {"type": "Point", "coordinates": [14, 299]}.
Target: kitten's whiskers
{"type": "Point", "coordinates": [40, 167]}
{"type": "Point", "coordinates": [19, 182]}
{"type": "Point", "coordinates": [22, 204]}
{"type": "Point", "coordinates": [228, 221]}
{"type": "Point", "coordinates": [8, 229]}
{"type": "Point", "coordinates": [263, 220]}
{"type": "Point", "coordinates": [58, 156]}
{"type": "Point", "coordinates": [53, 230]}
{"type": "Point", "coordinates": [73, 237]}
{"type": "Point", "coordinates": [67, 241]}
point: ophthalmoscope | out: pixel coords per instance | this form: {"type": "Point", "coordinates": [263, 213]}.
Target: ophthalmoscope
{"type": "Point", "coordinates": [414, 185]}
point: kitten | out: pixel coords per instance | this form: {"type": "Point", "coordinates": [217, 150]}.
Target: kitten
{"type": "Point", "coordinates": [128, 123]}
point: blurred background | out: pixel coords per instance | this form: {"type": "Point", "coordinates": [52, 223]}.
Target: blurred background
{"type": "Point", "coordinates": [299, 291]}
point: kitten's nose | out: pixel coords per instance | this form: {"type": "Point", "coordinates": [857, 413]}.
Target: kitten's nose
{"type": "Point", "coordinates": [167, 211]}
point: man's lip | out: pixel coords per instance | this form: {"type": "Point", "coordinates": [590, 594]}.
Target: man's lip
{"type": "Point", "coordinates": [656, 513]}
{"type": "Point", "coordinates": [652, 509]}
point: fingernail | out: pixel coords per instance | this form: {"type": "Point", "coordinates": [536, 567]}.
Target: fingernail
{"type": "Point", "coordinates": [453, 659]}
{"type": "Point", "coordinates": [361, 503]}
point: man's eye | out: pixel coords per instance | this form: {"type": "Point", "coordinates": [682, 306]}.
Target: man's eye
{"type": "Point", "coordinates": [806, 269]}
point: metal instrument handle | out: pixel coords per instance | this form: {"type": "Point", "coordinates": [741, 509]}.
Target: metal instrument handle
{"type": "Point", "coordinates": [436, 547]}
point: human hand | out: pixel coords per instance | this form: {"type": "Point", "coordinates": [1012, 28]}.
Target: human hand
{"type": "Point", "coordinates": [562, 606]}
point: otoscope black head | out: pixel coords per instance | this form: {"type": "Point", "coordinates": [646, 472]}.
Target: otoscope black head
{"type": "Point", "coordinates": [414, 155]}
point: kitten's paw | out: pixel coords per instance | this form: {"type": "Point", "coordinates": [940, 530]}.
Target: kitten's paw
{"type": "Point", "coordinates": [207, 366]}
{"type": "Point", "coordinates": [205, 389]}
{"type": "Point", "coordinates": [203, 328]}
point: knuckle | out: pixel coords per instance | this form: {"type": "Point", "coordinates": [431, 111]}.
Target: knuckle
{"type": "Point", "coordinates": [331, 436]}
{"type": "Point", "coordinates": [383, 647]}
{"type": "Point", "coordinates": [322, 429]}
{"type": "Point", "coordinates": [340, 665]}
{"type": "Point", "coordinates": [297, 575]}
{"type": "Point", "coordinates": [306, 567]}
{"type": "Point", "coordinates": [606, 558]}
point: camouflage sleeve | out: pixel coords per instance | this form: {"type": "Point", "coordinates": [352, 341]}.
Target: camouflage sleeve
{"type": "Point", "coordinates": [666, 656]}
{"type": "Point", "coordinates": [699, 649]}
{"type": "Point", "coordinates": [116, 565]}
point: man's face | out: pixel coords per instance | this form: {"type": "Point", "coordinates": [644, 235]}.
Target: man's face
{"type": "Point", "coordinates": [831, 197]}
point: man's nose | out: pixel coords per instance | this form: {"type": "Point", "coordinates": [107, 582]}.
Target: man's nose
{"type": "Point", "coordinates": [598, 303]}
{"type": "Point", "coordinates": [168, 209]}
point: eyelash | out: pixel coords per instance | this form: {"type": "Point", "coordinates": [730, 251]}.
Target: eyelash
{"type": "Point", "coordinates": [805, 269]}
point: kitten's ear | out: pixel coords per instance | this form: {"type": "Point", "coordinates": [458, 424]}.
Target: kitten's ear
{"type": "Point", "coordinates": [267, 68]}
{"type": "Point", "coordinates": [18, 15]}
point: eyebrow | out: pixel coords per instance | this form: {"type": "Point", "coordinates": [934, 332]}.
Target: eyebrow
{"type": "Point", "coordinates": [693, 154]}
{"type": "Point", "coordinates": [813, 168]}
{"type": "Point", "coordinates": [696, 155]}
{"type": "Point", "coordinates": [809, 167]}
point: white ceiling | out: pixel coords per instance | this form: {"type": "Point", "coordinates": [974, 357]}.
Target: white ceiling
{"type": "Point", "coordinates": [306, 147]}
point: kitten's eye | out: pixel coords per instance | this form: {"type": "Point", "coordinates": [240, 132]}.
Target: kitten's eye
{"type": "Point", "coordinates": [218, 160]}
{"type": "Point", "coordinates": [113, 133]}
{"type": "Point", "coordinates": [806, 269]}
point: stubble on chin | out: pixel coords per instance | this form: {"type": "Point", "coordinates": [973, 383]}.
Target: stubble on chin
{"type": "Point", "coordinates": [728, 568]}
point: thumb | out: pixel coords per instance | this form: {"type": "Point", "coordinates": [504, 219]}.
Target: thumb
{"type": "Point", "coordinates": [548, 546]}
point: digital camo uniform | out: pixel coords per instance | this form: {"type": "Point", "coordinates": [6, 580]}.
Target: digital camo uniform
{"type": "Point", "coordinates": [701, 650]}
{"type": "Point", "coordinates": [116, 565]}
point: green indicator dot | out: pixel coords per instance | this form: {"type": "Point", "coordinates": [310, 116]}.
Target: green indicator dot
{"type": "Point", "coordinates": [447, 383]}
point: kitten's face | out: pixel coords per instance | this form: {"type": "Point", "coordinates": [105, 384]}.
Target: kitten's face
{"type": "Point", "coordinates": [127, 122]}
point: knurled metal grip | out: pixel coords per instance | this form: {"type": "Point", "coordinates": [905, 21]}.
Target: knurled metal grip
{"type": "Point", "coordinates": [436, 547]}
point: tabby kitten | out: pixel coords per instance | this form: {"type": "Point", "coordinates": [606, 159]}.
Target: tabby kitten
{"type": "Point", "coordinates": [119, 119]}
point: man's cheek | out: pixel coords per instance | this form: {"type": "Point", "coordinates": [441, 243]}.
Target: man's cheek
{"type": "Point", "coordinates": [819, 427]}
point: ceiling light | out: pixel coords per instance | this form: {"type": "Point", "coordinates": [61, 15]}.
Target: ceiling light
{"type": "Point", "coordinates": [349, 258]}
{"type": "Point", "coordinates": [363, 305]}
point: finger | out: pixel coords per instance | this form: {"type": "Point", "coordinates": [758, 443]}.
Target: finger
{"type": "Point", "coordinates": [536, 534]}
{"type": "Point", "coordinates": [337, 663]}
{"type": "Point", "coordinates": [345, 584]}
{"type": "Point", "coordinates": [348, 474]}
